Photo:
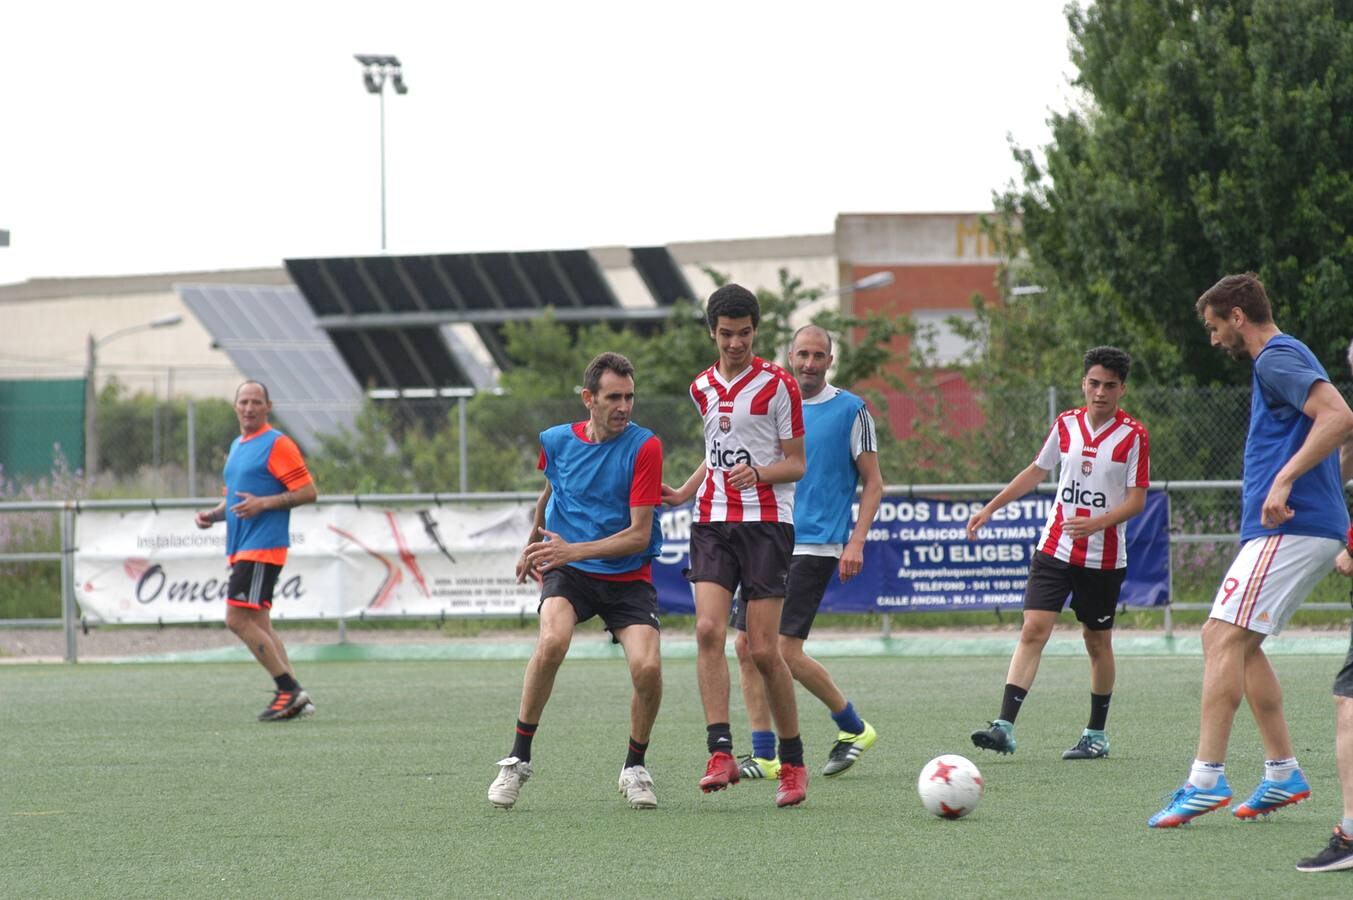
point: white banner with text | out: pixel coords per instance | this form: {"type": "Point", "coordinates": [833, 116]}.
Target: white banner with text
{"type": "Point", "coordinates": [344, 562]}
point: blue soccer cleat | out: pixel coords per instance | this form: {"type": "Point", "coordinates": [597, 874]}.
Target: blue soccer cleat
{"type": "Point", "coordinates": [1189, 802]}
{"type": "Point", "coordinates": [1271, 795]}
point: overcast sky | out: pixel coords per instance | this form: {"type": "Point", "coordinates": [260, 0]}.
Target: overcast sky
{"type": "Point", "coordinates": [143, 136]}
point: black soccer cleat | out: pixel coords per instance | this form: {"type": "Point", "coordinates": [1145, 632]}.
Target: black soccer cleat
{"type": "Point", "coordinates": [287, 705]}
{"type": "Point", "coordinates": [1337, 855]}
{"type": "Point", "coordinates": [999, 737]}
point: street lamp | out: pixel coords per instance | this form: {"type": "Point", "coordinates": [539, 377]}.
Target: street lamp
{"type": "Point", "coordinates": [376, 70]}
{"type": "Point", "coordinates": [867, 283]}
{"type": "Point", "coordinates": [91, 394]}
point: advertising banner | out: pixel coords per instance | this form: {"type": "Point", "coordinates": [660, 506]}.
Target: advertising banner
{"type": "Point", "coordinates": [350, 562]}
{"type": "Point", "coordinates": [344, 562]}
{"type": "Point", "coordinates": [918, 557]}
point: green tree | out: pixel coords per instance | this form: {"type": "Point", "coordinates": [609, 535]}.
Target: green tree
{"type": "Point", "coordinates": [1214, 137]}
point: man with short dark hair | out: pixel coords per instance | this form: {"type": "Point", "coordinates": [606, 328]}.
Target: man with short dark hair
{"type": "Point", "coordinates": [742, 533]}
{"type": "Point", "coordinates": [591, 546]}
{"type": "Point", "coordinates": [1293, 524]}
{"type": "Point", "coordinates": [1104, 455]}
{"type": "Point", "coordinates": [841, 447]}
{"type": "Point", "coordinates": [265, 476]}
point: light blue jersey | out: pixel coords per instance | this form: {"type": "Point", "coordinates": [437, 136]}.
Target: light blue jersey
{"type": "Point", "coordinates": [837, 427]}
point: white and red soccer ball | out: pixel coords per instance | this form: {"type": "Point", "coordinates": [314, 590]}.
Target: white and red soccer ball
{"type": "Point", "coordinates": [950, 786]}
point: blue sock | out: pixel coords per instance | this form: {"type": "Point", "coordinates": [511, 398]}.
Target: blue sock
{"type": "Point", "coordinates": [763, 744]}
{"type": "Point", "coordinates": [848, 720]}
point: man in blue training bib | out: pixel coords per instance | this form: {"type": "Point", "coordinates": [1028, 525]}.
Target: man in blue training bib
{"type": "Point", "coordinates": [841, 446]}
{"type": "Point", "coordinates": [1293, 525]}
{"type": "Point", "coordinates": [591, 546]}
{"type": "Point", "coordinates": [265, 477]}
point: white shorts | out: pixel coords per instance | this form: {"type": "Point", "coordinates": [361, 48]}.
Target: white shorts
{"type": "Point", "coordinates": [1270, 578]}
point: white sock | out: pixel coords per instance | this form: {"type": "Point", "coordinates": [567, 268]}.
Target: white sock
{"type": "Point", "coordinates": [1205, 775]}
{"type": "Point", "coordinates": [1279, 769]}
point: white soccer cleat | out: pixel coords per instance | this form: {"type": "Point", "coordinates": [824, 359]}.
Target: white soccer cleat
{"type": "Point", "coordinates": [512, 774]}
{"type": "Point", "coordinates": [637, 786]}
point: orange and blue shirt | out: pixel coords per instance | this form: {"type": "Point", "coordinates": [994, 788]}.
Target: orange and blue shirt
{"type": "Point", "coordinates": [264, 463]}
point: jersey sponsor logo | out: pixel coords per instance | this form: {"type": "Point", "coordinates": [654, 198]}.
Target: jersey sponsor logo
{"type": "Point", "coordinates": [721, 457]}
{"type": "Point", "coordinates": [1091, 452]}
{"type": "Point", "coordinates": [1076, 494]}
{"type": "Point", "coordinates": [1087, 467]}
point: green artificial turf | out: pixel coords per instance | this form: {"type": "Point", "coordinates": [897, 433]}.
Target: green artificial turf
{"type": "Point", "coordinates": [154, 780]}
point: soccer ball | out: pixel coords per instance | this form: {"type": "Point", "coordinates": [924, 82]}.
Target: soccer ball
{"type": "Point", "coordinates": [950, 786]}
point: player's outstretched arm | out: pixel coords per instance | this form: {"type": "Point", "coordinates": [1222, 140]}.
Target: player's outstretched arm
{"type": "Point", "coordinates": [677, 496]}
{"type": "Point", "coordinates": [791, 468]}
{"type": "Point", "coordinates": [1343, 563]}
{"type": "Point", "coordinates": [1332, 429]}
{"type": "Point", "coordinates": [1346, 460]}
{"type": "Point", "coordinates": [537, 527]}
{"type": "Point", "coordinates": [1082, 526]}
{"type": "Point", "coordinates": [1020, 485]}
{"type": "Point", "coordinates": [553, 551]}
{"type": "Point", "coordinates": [250, 505]}
{"type": "Point", "coordinates": [871, 494]}
{"type": "Point", "coordinates": [205, 518]}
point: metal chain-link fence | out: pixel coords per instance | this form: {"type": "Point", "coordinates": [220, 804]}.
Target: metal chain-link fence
{"type": "Point", "coordinates": [149, 447]}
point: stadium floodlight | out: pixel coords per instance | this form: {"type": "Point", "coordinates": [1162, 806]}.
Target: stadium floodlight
{"type": "Point", "coordinates": [92, 346]}
{"type": "Point", "coordinates": [376, 71]}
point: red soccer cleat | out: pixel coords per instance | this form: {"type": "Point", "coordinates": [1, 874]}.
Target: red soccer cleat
{"type": "Point", "coordinates": [793, 785]}
{"type": "Point", "coordinates": [720, 773]}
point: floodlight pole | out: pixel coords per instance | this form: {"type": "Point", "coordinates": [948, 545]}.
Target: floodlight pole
{"type": "Point", "coordinates": [376, 70]}
{"type": "Point", "coordinates": [382, 96]}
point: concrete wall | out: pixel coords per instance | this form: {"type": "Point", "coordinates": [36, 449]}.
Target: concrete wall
{"type": "Point", "coordinates": [46, 323]}
{"type": "Point", "coordinates": [938, 261]}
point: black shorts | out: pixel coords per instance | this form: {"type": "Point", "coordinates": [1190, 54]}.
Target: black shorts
{"type": "Point", "coordinates": [251, 584]}
{"type": "Point", "coordinates": [1094, 592]}
{"type": "Point", "coordinates": [808, 580]}
{"type": "Point", "coordinates": [619, 603]}
{"type": "Point", "coordinates": [753, 556]}
{"type": "Point", "coordinates": [1343, 682]}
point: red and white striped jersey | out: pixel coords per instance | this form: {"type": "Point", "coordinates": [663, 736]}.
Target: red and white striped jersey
{"type": "Point", "coordinates": [745, 420]}
{"type": "Point", "coordinates": [1097, 470]}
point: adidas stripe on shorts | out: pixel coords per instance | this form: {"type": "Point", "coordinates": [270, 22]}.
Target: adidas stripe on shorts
{"type": "Point", "coordinates": [1270, 578]}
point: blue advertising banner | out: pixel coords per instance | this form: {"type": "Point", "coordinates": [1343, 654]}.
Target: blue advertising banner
{"type": "Point", "coordinates": [918, 557]}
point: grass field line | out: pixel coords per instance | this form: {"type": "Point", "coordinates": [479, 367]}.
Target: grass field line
{"type": "Point", "coordinates": [591, 646]}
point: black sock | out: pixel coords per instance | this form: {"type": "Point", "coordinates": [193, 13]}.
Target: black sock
{"type": "Point", "coordinates": [1012, 701]}
{"type": "Point", "coordinates": [1099, 711]}
{"type": "Point", "coordinates": [719, 738]}
{"type": "Point", "coordinates": [791, 750]}
{"type": "Point", "coordinates": [521, 746]}
{"type": "Point", "coordinates": [635, 755]}
{"type": "Point", "coordinates": [285, 682]}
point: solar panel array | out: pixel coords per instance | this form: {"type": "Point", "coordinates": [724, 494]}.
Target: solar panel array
{"type": "Point", "coordinates": [270, 334]}
{"type": "Point", "coordinates": [484, 289]}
